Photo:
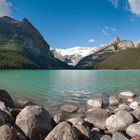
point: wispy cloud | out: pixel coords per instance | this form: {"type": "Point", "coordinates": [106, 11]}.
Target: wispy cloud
{"type": "Point", "coordinates": [106, 27]}
{"type": "Point", "coordinates": [115, 3]}
{"type": "Point", "coordinates": [134, 6]}
{"type": "Point", "coordinates": [113, 29]}
{"type": "Point", "coordinates": [106, 30]}
{"type": "Point", "coordinates": [92, 40]}
{"type": "Point", "coordinates": [5, 8]}
{"type": "Point", "coordinates": [131, 5]}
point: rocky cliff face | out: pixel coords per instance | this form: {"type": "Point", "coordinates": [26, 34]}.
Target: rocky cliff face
{"type": "Point", "coordinates": [23, 39]}
{"type": "Point", "coordinates": [90, 62]}
{"type": "Point", "coordinates": [23, 32]}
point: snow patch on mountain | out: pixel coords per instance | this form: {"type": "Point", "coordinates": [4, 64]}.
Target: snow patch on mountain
{"type": "Point", "coordinates": [83, 51]}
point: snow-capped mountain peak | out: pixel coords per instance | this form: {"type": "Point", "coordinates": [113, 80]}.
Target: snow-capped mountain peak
{"type": "Point", "coordinates": [72, 55]}
{"type": "Point", "coordinates": [83, 51]}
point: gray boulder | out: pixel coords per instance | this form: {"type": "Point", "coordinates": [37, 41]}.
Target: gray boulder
{"type": "Point", "coordinates": [97, 117]}
{"type": "Point", "coordinates": [63, 131]}
{"type": "Point", "coordinates": [136, 138]}
{"type": "Point", "coordinates": [126, 95]}
{"type": "Point", "coordinates": [135, 105]}
{"type": "Point", "coordinates": [82, 110]}
{"type": "Point", "coordinates": [122, 107]}
{"type": "Point", "coordinates": [69, 108]}
{"type": "Point", "coordinates": [95, 134]}
{"type": "Point", "coordinates": [58, 117]}
{"type": "Point", "coordinates": [35, 122]}
{"type": "Point", "coordinates": [130, 100]}
{"type": "Point", "coordinates": [106, 137]}
{"type": "Point", "coordinates": [136, 113]}
{"type": "Point", "coordinates": [137, 98]}
{"type": "Point", "coordinates": [76, 121]}
{"type": "Point", "coordinates": [7, 133]}
{"type": "Point", "coordinates": [5, 118]}
{"type": "Point", "coordinates": [83, 130]}
{"type": "Point", "coordinates": [113, 100]}
{"type": "Point", "coordinates": [119, 136]}
{"type": "Point", "coordinates": [133, 130]}
{"type": "Point", "coordinates": [94, 103]}
{"type": "Point", "coordinates": [3, 107]}
{"type": "Point", "coordinates": [6, 98]}
{"type": "Point", "coordinates": [119, 121]}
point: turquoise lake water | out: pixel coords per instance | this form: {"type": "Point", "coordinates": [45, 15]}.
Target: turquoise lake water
{"type": "Point", "coordinates": [66, 86]}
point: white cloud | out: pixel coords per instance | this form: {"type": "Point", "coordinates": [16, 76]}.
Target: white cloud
{"type": "Point", "coordinates": [115, 3]}
{"type": "Point", "coordinates": [5, 8]}
{"type": "Point", "coordinates": [104, 32]}
{"type": "Point", "coordinates": [134, 6]}
{"type": "Point", "coordinates": [92, 40]}
{"type": "Point", "coordinates": [106, 27]}
{"type": "Point", "coordinates": [113, 29]}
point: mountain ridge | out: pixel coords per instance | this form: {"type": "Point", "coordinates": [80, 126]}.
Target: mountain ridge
{"type": "Point", "coordinates": [23, 46]}
{"type": "Point", "coordinates": [72, 55]}
{"type": "Point", "coordinates": [79, 61]}
{"type": "Point", "coordinates": [97, 59]}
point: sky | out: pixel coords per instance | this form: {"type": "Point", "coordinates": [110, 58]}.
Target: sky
{"type": "Point", "coordinates": [84, 23]}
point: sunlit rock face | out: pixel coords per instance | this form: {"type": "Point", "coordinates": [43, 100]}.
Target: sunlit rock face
{"type": "Point", "coordinates": [104, 52]}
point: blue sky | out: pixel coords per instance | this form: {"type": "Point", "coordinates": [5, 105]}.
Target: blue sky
{"type": "Point", "coordinates": [70, 23]}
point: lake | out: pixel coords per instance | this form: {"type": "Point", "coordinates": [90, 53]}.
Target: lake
{"type": "Point", "coordinates": [46, 87]}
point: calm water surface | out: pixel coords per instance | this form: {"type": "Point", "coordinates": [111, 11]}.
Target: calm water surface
{"type": "Point", "coordinates": [61, 86]}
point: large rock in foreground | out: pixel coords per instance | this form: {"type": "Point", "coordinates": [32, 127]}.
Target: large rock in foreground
{"type": "Point", "coordinates": [69, 108]}
{"type": "Point", "coordinates": [133, 130]}
{"type": "Point", "coordinates": [97, 117]}
{"type": "Point", "coordinates": [3, 107]}
{"type": "Point", "coordinates": [5, 118]}
{"type": "Point", "coordinates": [135, 105]}
{"type": "Point", "coordinates": [6, 98]}
{"type": "Point", "coordinates": [119, 136]}
{"type": "Point", "coordinates": [126, 95]}
{"type": "Point", "coordinates": [119, 122]}
{"type": "Point", "coordinates": [7, 133]}
{"type": "Point", "coordinates": [113, 100]}
{"type": "Point", "coordinates": [84, 131]}
{"type": "Point", "coordinates": [136, 138]}
{"type": "Point", "coordinates": [35, 122]}
{"type": "Point", "coordinates": [63, 131]}
{"type": "Point", "coordinates": [95, 103]}
{"type": "Point", "coordinates": [136, 113]}
{"type": "Point", "coordinates": [106, 137]}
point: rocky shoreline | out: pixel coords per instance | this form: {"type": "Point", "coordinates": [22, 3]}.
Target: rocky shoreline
{"type": "Point", "coordinates": [115, 117]}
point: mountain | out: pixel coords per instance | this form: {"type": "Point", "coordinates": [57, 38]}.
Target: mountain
{"type": "Point", "coordinates": [117, 54]}
{"type": "Point", "coordinates": [73, 55]}
{"type": "Point", "coordinates": [22, 46]}
{"type": "Point", "coordinates": [137, 43]}
{"type": "Point", "coordinates": [124, 59]}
